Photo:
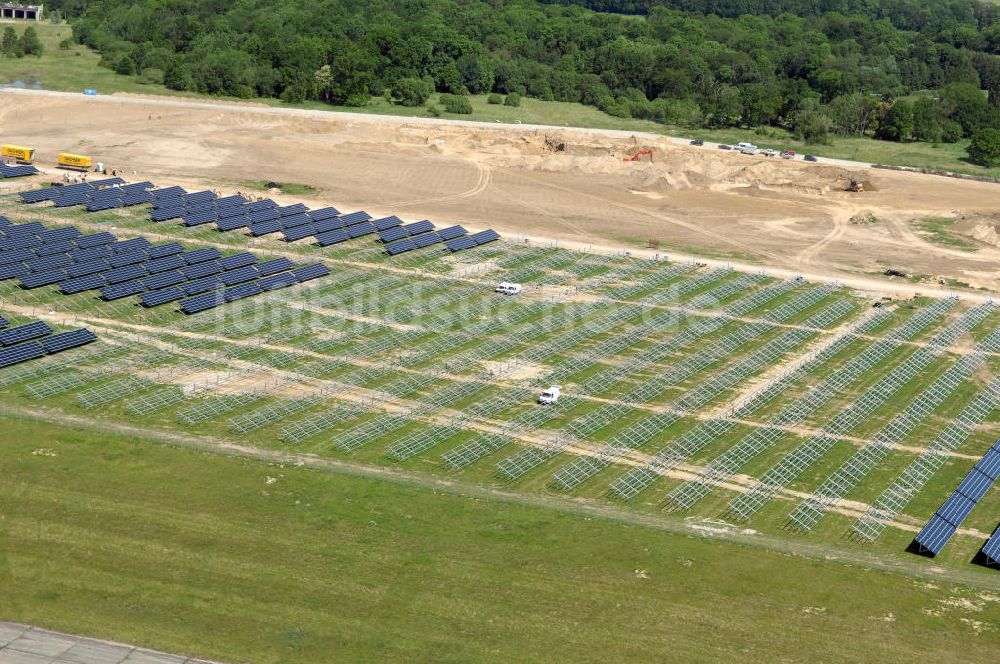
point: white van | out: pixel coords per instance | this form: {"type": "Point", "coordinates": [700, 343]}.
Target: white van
{"type": "Point", "coordinates": [508, 288]}
{"type": "Point", "coordinates": [549, 396]}
{"type": "Point", "coordinates": [747, 148]}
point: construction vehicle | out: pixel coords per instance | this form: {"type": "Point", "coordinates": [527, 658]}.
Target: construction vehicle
{"type": "Point", "coordinates": [19, 154]}
{"type": "Point", "coordinates": [549, 396]}
{"type": "Point", "coordinates": [639, 155]}
{"type": "Point", "coordinates": [74, 161]}
{"type": "Point", "coordinates": [856, 186]}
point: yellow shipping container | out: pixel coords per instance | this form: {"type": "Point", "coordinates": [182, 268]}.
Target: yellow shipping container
{"type": "Point", "coordinates": [67, 160]}
{"type": "Point", "coordinates": [23, 155]}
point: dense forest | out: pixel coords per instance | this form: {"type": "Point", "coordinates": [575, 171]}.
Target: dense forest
{"type": "Point", "coordinates": [894, 69]}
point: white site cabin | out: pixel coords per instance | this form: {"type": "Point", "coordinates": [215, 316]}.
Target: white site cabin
{"type": "Point", "coordinates": [549, 396]}
{"type": "Point", "coordinates": [508, 288]}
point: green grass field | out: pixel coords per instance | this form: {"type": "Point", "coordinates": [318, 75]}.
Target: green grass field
{"type": "Point", "coordinates": [77, 68]}
{"type": "Point", "coordinates": [242, 560]}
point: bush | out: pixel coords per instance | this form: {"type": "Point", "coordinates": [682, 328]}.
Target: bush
{"type": "Point", "coordinates": [410, 92]}
{"type": "Point", "coordinates": [433, 111]}
{"type": "Point", "coordinates": [124, 65]}
{"type": "Point", "coordinates": [951, 132]}
{"type": "Point", "coordinates": [66, 44]}
{"type": "Point", "coordinates": [494, 99]}
{"type": "Point", "coordinates": [456, 104]}
{"type": "Point", "coordinates": [985, 147]}
{"type": "Point", "coordinates": [151, 76]}
{"type": "Point", "coordinates": [513, 99]}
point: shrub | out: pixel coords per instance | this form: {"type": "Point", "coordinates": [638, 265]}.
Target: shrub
{"type": "Point", "coordinates": [456, 104]}
{"type": "Point", "coordinates": [410, 92]}
{"type": "Point", "coordinates": [513, 99]}
{"type": "Point", "coordinates": [494, 98]}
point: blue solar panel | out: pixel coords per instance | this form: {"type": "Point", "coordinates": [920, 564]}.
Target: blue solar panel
{"type": "Point", "coordinates": [264, 215]}
{"type": "Point", "coordinates": [19, 242]}
{"type": "Point", "coordinates": [118, 291]}
{"type": "Point", "coordinates": [199, 218]}
{"type": "Point", "coordinates": [7, 171]}
{"type": "Point", "coordinates": [239, 275]}
{"type": "Point", "coordinates": [95, 240]}
{"type": "Point", "coordinates": [21, 353]}
{"type": "Point", "coordinates": [172, 262]}
{"type": "Point", "coordinates": [276, 281]}
{"type": "Point", "coordinates": [166, 214]}
{"type": "Point", "coordinates": [91, 253]}
{"type": "Point", "coordinates": [242, 291]}
{"type": "Point", "coordinates": [46, 263]}
{"type": "Point", "coordinates": [127, 273]}
{"type": "Point", "coordinates": [199, 270]}
{"type": "Point", "coordinates": [426, 240]}
{"type": "Point", "coordinates": [323, 213]}
{"type": "Point", "coordinates": [3, 322]}
{"type": "Point", "coordinates": [459, 244]}
{"type": "Point", "coordinates": [200, 197]}
{"type": "Point", "coordinates": [128, 258]}
{"type": "Point", "coordinates": [15, 335]}
{"type": "Point", "coordinates": [400, 246]}
{"type": "Point", "coordinates": [201, 255]}
{"type": "Point", "coordinates": [974, 486]}
{"type": "Point", "coordinates": [201, 303]}
{"type": "Point", "coordinates": [295, 220]}
{"type": "Point", "coordinates": [289, 210]}
{"type": "Point", "coordinates": [81, 284]}
{"type": "Point", "coordinates": [62, 247]}
{"type": "Point", "coordinates": [30, 228]}
{"type": "Point", "coordinates": [163, 279]}
{"type": "Point", "coordinates": [233, 211]}
{"type": "Point", "coordinates": [59, 234]}
{"type": "Point", "coordinates": [12, 271]}
{"type": "Point", "coordinates": [168, 192]}
{"type": "Point", "coordinates": [326, 225]}
{"type": "Point", "coordinates": [482, 237]}
{"type": "Point", "coordinates": [66, 340]}
{"type": "Point", "coordinates": [312, 271]}
{"type": "Point", "coordinates": [274, 266]}
{"type": "Point", "coordinates": [332, 237]}
{"type": "Point", "coordinates": [299, 232]}
{"type": "Point", "coordinates": [135, 244]}
{"type": "Point", "coordinates": [265, 204]}
{"type": "Point", "coordinates": [265, 227]}
{"type": "Point", "coordinates": [232, 223]}
{"type": "Point", "coordinates": [39, 279]}
{"type": "Point", "coordinates": [992, 548]}
{"type": "Point", "coordinates": [956, 508]}
{"type": "Point", "coordinates": [418, 227]}
{"type": "Point", "coordinates": [165, 250]}
{"type": "Point", "coordinates": [934, 536]}
{"type": "Point", "coordinates": [90, 267]}
{"type": "Point", "coordinates": [989, 465]}
{"type": "Point", "coordinates": [235, 199]}
{"type": "Point", "coordinates": [237, 260]}
{"type": "Point", "coordinates": [16, 256]}
{"type": "Point", "coordinates": [357, 230]}
{"type": "Point", "coordinates": [452, 232]}
{"type": "Point", "coordinates": [201, 285]}
{"type": "Point", "coordinates": [162, 296]}
{"type": "Point", "coordinates": [355, 217]}
{"type": "Point", "coordinates": [388, 222]}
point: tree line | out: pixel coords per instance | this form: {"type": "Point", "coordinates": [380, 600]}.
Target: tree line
{"type": "Point", "coordinates": [896, 70]}
{"type": "Point", "coordinates": [28, 43]}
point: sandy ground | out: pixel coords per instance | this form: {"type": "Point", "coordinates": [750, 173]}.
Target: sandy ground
{"type": "Point", "coordinates": [543, 183]}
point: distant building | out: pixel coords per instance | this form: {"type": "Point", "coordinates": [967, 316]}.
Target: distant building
{"type": "Point", "coordinates": [27, 12]}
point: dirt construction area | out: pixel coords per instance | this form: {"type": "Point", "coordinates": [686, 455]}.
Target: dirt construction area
{"type": "Point", "coordinates": [543, 183]}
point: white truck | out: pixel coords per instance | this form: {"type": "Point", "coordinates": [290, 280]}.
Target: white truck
{"type": "Point", "coordinates": [508, 288]}
{"type": "Point", "coordinates": [747, 148]}
{"type": "Point", "coordinates": [549, 396]}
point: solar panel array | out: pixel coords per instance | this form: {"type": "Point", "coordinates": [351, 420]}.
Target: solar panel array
{"type": "Point", "coordinates": [7, 171]}
{"type": "Point", "coordinates": [991, 550]}
{"type": "Point", "coordinates": [474, 240]}
{"type": "Point", "coordinates": [157, 274]}
{"type": "Point", "coordinates": [35, 339]}
{"type": "Point", "coordinates": [949, 517]}
{"type": "Point", "coordinates": [425, 240]}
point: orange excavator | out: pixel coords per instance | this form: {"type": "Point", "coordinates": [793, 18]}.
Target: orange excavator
{"type": "Point", "coordinates": [639, 155]}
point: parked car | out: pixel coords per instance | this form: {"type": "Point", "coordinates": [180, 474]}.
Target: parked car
{"type": "Point", "coordinates": [788, 154]}
{"type": "Point", "coordinates": [769, 153]}
{"type": "Point", "coordinates": [809, 157]}
{"type": "Point", "coordinates": [698, 142]}
{"type": "Point", "coordinates": [725, 147]}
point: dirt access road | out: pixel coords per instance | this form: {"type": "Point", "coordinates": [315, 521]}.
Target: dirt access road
{"type": "Point", "coordinates": [570, 185]}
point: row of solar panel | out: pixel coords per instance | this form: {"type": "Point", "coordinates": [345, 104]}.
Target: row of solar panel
{"type": "Point", "coordinates": [424, 240]}
{"type": "Point", "coordinates": [281, 280]}
{"type": "Point", "coordinates": [942, 526]}
{"type": "Point", "coordinates": [7, 171]}
{"type": "Point", "coordinates": [231, 273]}
{"type": "Point", "coordinates": [49, 193]}
{"type": "Point", "coordinates": [37, 345]}
{"type": "Point", "coordinates": [991, 550]}
{"type": "Point", "coordinates": [70, 197]}
{"type": "Point", "coordinates": [474, 240]}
